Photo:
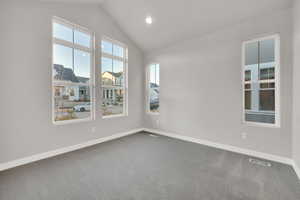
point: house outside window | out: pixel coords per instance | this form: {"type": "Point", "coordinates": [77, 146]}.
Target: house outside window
{"type": "Point", "coordinates": [114, 64]}
{"type": "Point", "coordinates": [261, 81]}
{"type": "Point", "coordinates": [153, 88]}
{"type": "Point", "coordinates": [72, 77]}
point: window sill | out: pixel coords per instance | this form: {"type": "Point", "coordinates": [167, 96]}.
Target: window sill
{"type": "Point", "coordinates": [73, 121]}
{"type": "Point", "coordinates": [114, 116]}
{"type": "Point", "coordinates": [263, 125]}
{"type": "Point", "coordinates": [153, 113]}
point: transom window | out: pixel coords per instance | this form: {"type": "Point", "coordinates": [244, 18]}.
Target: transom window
{"type": "Point", "coordinates": [260, 82]}
{"type": "Point", "coordinates": [114, 78]}
{"type": "Point", "coordinates": [72, 79]}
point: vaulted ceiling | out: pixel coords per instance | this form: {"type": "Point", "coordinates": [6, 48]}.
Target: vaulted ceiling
{"type": "Point", "coordinates": [176, 20]}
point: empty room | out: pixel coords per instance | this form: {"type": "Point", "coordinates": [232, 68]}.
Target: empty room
{"type": "Point", "coordinates": [150, 100]}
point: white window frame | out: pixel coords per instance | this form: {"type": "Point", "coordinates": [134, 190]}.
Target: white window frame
{"type": "Point", "coordinates": [90, 50]}
{"type": "Point", "coordinates": [277, 123]}
{"type": "Point", "coordinates": [148, 111]}
{"type": "Point", "coordinates": [125, 84]}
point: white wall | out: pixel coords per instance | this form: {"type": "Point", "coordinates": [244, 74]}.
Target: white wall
{"type": "Point", "coordinates": [205, 72]}
{"type": "Point", "coordinates": [25, 77]}
{"type": "Point", "coordinates": [201, 90]}
{"type": "Point", "coordinates": [296, 88]}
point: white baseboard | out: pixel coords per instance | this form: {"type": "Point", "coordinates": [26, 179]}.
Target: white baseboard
{"type": "Point", "coordinates": [235, 149]}
{"type": "Point", "coordinates": [41, 156]}
{"type": "Point", "coordinates": [297, 169]}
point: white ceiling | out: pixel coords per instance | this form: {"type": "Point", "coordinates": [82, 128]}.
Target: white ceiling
{"type": "Point", "coordinates": [176, 20]}
{"type": "Point", "coordinates": [75, 1]}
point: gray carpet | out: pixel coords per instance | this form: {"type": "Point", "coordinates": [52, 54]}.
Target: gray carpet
{"type": "Point", "coordinates": [141, 167]}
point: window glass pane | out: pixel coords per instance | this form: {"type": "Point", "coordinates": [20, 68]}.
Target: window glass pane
{"type": "Point", "coordinates": [267, 73]}
{"type": "Point", "coordinates": [118, 72]}
{"type": "Point", "coordinates": [154, 88]}
{"type": "Point", "coordinates": [267, 85]}
{"type": "Point", "coordinates": [107, 70]}
{"type": "Point", "coordinates": [118, 51]}
{"type": "Point", "coordinates": [63, 55]}
{"type": "Point", "coordinates": [157, 74]}
{"type": "Point", "coordinates": [251, 61]}
{"type": "Point", "coordinates": [62, 32]}
{"type": "Point", "coordinates": [107, 64]}
{"type": "Point", "coordinates": [251, 53]}
{"type": "Point", "coordinates": [267, 51]}
{"type": "Point", "coordinates": [248, 100]}
{"type": "Point", "coordinates": [112, 101]}
{"type": "Point", "coordinates": [152, 74]}
{"type": "Point", "coordinates": [71, 102]}
{"type": "Point", "coordinates": [247, 75]}
{"type": "Point", "coordinates": [154, 99]}
{"type": "Point", "coordinates": [248, 86]}
{"type": "Point", "coordinates": [82, 65]}
{"type": "Point", "coordinates": [82, 39]}
{"type": "Point", "coordinates": [106, 47]}
{"type": "Point", "coordinates": [267, 100]}
{"type": "Point", "coordinates": [63, 64]}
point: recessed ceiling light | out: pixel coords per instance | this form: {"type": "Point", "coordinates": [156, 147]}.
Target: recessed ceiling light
{"type": "Point", "coordinates": [148, 20]}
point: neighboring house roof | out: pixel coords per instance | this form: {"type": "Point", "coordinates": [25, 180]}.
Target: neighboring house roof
{"type": "Point", "coordinates": [82, 79]}
{"type": "Point", "coordinates": [116, 75]}
{"type": "Point", "coordinates": [67, 74]}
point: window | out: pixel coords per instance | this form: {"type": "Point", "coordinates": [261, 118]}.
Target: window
{"type": "Point", "coordinates": [261, 81]}
{"type": "Point", "coordinates": [247, 75]}
{"type": "Point", "coordinates": [114, 78]}
{"type": "Point", "coordinates": [153, 89]}
{"type": "Point", "coordinates": [72, 77]}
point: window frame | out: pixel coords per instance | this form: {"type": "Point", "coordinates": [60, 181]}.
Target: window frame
{"type": "Point", "coordinates": [148, 111]}
{"type": "Point", "coordinates": [277, 123]}
{"type": "Point", "coordinates": [125, 81]}
{"type": "Point", "coordinates": [90, 50]}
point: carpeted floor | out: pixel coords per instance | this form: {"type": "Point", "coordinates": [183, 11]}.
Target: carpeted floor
{"type": "Point", "coordinates": [143, 167]}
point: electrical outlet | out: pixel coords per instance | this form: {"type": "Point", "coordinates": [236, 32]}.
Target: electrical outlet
{"type": "Point", "coordinates": [93, 130]}
{"type": "Point", "coordinates": [244, 136]}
